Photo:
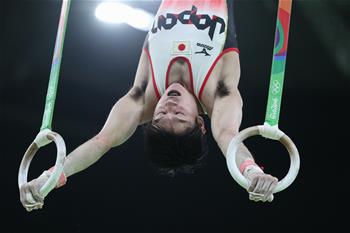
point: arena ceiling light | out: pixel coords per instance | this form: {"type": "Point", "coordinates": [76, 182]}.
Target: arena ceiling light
{"type": "Point", "coordinates": [117, 12]}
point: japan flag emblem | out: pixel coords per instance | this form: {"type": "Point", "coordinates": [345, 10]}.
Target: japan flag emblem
{"type": "Point", "coordinates": [181, 48]}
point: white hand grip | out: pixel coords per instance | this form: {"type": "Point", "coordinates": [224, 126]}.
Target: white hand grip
{"type": "Point", "coordinates": [284, 139]}
{"type": "Point", "coordinates": [58, 169]}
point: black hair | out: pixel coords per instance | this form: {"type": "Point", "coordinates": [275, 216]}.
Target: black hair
{"type": "Point", "coordinates": [173, 154]}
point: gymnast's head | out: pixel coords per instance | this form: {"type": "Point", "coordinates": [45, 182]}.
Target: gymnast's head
{"type": "Point", "coordinates": [175, 139]}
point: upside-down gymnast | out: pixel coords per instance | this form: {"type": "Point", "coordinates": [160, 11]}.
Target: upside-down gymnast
{"type": "Point", "coordinates": [189, 67]}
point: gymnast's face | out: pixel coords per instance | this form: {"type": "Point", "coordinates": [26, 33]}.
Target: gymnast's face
{"type": "Point", "coordinates": [176, 110]}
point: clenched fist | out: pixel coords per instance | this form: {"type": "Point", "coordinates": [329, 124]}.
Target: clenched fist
{"type": "Point", "coordinates": [261, 185]}
{"type": "Point", "coordinates": [30, 195]}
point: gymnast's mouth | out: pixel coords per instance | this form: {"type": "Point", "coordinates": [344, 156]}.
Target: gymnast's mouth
{"type": "Point", "coordinates": [174, 93]}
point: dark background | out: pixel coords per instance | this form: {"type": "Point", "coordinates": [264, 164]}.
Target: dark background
{"type": "Point", "coordinates": [121, 193]}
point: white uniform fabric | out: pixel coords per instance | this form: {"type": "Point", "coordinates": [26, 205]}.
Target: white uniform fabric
{"type": "Point", "coordinates": [194, 31]}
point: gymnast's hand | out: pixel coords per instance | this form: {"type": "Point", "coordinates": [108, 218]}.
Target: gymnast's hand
{"type": "Point", "coordinates": [30, 195]}
{"type": "Point", "coordinates": [261, 185]}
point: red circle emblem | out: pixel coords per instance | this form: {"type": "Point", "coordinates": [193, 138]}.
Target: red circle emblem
{"type": "Point", "coordinates": [182, 47]}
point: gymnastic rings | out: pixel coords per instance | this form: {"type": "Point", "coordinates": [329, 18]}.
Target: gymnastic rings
{"type": "Point", "coordinates": [46, 136]}
{"type": "Point", "coordinates": [270, 127]}
{"type": "Point", "coordinates": [260, 130]}
{"type": "Point", "coordinates": [43, 138]}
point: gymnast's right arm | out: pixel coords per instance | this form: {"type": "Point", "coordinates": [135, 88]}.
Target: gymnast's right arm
{"type": "Point", "coordinates": [121, 123]}
{"type": "Point", "coordinates": [130, 111]}
{"type": "Point", "coordinates": [134, 109]}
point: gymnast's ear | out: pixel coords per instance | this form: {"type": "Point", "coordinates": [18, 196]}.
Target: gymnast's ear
{"type": "Point", "coordinates": [201, 124]}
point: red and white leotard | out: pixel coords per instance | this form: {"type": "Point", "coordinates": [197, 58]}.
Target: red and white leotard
{"type": "Point", "coordinates": [198, 32]}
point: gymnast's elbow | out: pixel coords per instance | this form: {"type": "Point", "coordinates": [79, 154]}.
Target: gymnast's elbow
{"type": "Point", "coordinates": [103, 143]}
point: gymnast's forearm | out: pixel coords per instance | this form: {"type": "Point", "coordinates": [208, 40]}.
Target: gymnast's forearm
{"type": "Point", "coordinates": [226, 120]}
{"type": "Point", "coordinates": [84, 156]}
{"type": "Point", "coordinates": [121, 124]}
{"type": "Point", "coordinates": [243, 154]}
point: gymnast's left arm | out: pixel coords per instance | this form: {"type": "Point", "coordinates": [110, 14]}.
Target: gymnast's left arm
{"type": "Point", "coordinates": [226, 118]}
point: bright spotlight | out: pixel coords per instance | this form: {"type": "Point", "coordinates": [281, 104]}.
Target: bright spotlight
{"type": "Point", "coordinates": [116, 12]}
{"type": "Point", "coordinates": [140, 19]}
{"type": "Point", "coordinates": [113, 12]}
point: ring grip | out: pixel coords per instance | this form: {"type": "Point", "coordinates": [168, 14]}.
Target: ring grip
{"type": "Point", "coordinates": [252, 131]}
{"type": "Point", "coordinates": [30, 153]}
